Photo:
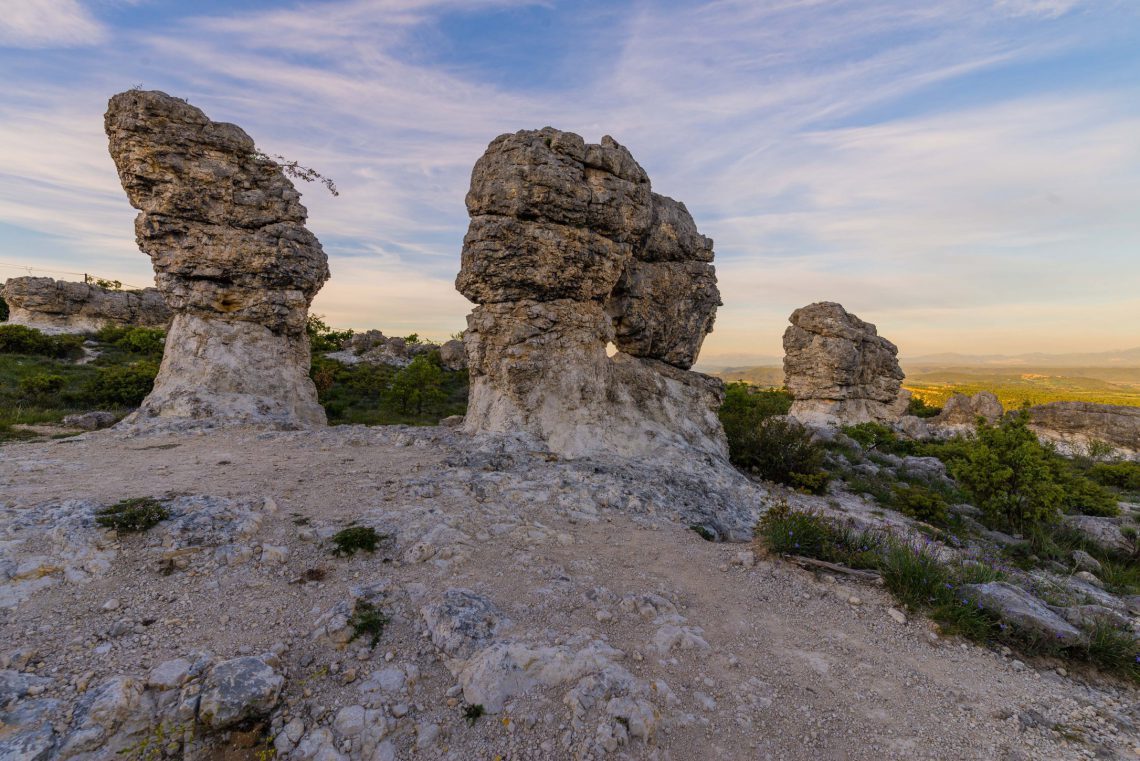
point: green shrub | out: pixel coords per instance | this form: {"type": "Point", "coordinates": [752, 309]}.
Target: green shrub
{"type": "Point", "coordinates": [124, 385]}
{"type": "Point", "coordinates": [347, 541]}
{"type": "Point", "coordinates": [41, 384]}
{"type": "Point", "coordinates": [919, 502]}
{"type": "Point", "coordinates": [132, 515]}
{"type": "Point", "coordinates": [18, 339]}
{"type": "Point", "coordinates": [1084, 496]}
{"type": "Point", "coordinates": [1114, 649]}
{"type": "Point", "coordinates": [918, 407]}
{"type": "Point", "coordinates": [744, 407]}
{"type": "Point", "coordinates": [914, 575]}
{"type": "Point", "coordinates": [1010, 475]}
{"type": "Point", "coordinates": [781, 450]}
{"type": "Point", "coordinates": [367, 620]}
{"type": "Point", "coordinates": [3, 310]}
{"type": "Point", "coordinates": [323, 338]}
{"type": "Point", "coordinates": [1119, 578]}
{"type": "Point", "coordinates": [418, 387]}
{"type": "Point", "coordinates": [149, 341]}
{"type": "Point", "coordinates": [877, 437]}
{"type": "Point", "coordinates": [1119, 475]}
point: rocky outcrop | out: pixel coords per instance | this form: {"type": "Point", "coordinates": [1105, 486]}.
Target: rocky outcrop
{"type": "Point", "coordinates": [962, 410]}
{"type": "Point", "coordinates": [225, 231]}
{"type": "Point", "coordinates": [570, 249]}
{"type": "Point", "coordinates": [839, 369]}
{"type": "Point", "coordinates": [60, 306]}
{"type": "Point", "coordinates": [373, 347]}
{"type": "Point", "coordinates": [1075, 425]}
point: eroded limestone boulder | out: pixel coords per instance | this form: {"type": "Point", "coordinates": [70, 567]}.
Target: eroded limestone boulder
{"type": "Point", "coordinates": [962, 410]}
{"type": "Point", "coordinates": [568, 250]}
{"type": "Point", "coordinates": [224, 228]}
{"type": "Point", "coordinates": [839, 369]}
{"type": "Point", "coordinates": [1074, 426]}
{"type": "Point", "coordinates": [61, 306]}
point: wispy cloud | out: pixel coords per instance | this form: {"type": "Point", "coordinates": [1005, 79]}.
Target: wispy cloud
{"type": "Point", "coordinates": [812, 140]}
{"type": "Point", "coordinates": [49, 24]}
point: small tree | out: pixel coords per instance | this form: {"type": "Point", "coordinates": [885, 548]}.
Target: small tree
{"type": "Point", "coordinates": [417, 387]}
{"type": "Point", "coordinates": [1010, 475]}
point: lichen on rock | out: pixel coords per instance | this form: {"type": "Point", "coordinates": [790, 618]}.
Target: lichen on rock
{"type": "Point", "coordinates": [569, 250]}
{"type": "Point", "coordinates": [224, 228]}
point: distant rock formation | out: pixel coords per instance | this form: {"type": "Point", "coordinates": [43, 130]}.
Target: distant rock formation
{"type": "Point", "coordinates": [569, 249]}
{"type": "Point", "coordinates": [225, 231]}
{"type": "Point", "coordinates": [962, 410]}
{"type": "Point", "coordinates": [1075, 425]}
{"type": "Point", "coordinates": [839, 369]}
{"type": "Point", "coordinates": [373, 347]}
{"type": "Point", "coordinates": [60, 306]}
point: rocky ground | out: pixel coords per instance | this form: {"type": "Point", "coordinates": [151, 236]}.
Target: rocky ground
{"type": "Point", "coordinates": [569, 600]}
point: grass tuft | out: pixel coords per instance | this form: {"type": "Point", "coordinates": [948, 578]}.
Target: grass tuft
{"type": "Point", "coordinates": [132, 515]}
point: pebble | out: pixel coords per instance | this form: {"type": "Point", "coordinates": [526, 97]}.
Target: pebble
{"type": "Point", "coordinates": [112, 604]}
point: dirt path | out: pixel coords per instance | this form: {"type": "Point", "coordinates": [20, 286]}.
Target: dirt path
{"type": "Point", "coordinates": [772, 662]}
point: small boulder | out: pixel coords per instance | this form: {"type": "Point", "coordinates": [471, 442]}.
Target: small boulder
{"type": "Point", "coordinates": [237, 690]}
{"type": "Point", "coordinates": [1103, 532]}
{"type": "Point", "coordinates": [91, 421]}
{"type": "Point", "coordinates": [1022, 610]}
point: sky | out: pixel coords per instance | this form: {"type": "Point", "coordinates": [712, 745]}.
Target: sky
{"type": "Point", "coordinates": [965, 174]}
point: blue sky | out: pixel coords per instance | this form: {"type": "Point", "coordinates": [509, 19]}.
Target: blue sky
{"type": "Point", "coordinates": [965, 174]}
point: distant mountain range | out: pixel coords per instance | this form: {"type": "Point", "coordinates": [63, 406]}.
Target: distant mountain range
{"type": "Point", "coordinates": [1116, 358]}
{"type": "Point", "coordinates": [720, 363]}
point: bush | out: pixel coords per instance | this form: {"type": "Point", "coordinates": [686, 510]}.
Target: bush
{"type": "Point", "coordinates": [347, 541]}
{"type": "Point", "coordinates": [1010, 475]}
{"type": "Point", "coordinates": [367, 620]}
{"type": "Point", "coordinates": [918, 407]}
{"type": "Point", "coordinates": [745, 407]}
{"type": "Point", "coordinates": [780, 450]}
{"type": "Point", "coordinates": [914, 575]}
{"type": "Point", "coordinates": [418, 387]}
{"type": "Point", "coordinates": [149, 341]}
{"type": "Point", "coordinates": [123, 385]}
{"type": "Point", "coordinates": [42, 383]}
{"type": "Point", "coordinates": [132, 515]}
{"type": "Point", "coordinates": [920, 503]}
{"type": "Point", "coordinates": [3, 310]}
{"type": "Point", "coordinates": [1119, 475]}
{"type": "Point", "coordinates": [17, 339]}
{"type": "Point", "coordinates": [876, 436]}
{"type": "Point", "coordinates": [322, 337]}
{"type": "Point", "coordinates": [1083, 495]}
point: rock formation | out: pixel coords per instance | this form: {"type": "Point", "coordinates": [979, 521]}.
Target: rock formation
{"type": "Point", "coordinates": [59, 306]}
{"type": "Point", "coordinates": [225, 231]}
{"type": "Point", "coordinates": [1075, 425]}
{"type": "Point", "coordinates": [962, 410]}
{"type": "Point", "coordinates": [839, 369]}
{"type": "Point", "coordinates": [570, 249]}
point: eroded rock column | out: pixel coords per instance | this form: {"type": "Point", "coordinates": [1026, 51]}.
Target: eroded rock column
{"type": "Point", "coordinates": [839, 369]}
{"type": "Point", "coordinates": [568, 250]}
{"type": "Point", "coordinates": [225, 231]}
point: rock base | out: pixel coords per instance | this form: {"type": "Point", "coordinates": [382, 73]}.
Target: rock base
{"type": "Point", "coordinates": [232, 373]}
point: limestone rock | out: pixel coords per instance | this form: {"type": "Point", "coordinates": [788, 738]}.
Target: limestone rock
{"type": "Point", "coordinates": [568, 250]}
{"type": "Point", "coordinates": [225, 231]}
{"type": "Point", "coordinates": [962, 410]}
{"type": "Point", "coordinates": [1103, 532]}
{"type": "Point", "coordinates": [237, 690]}
{"type": "Point", "coordinates": [1075, 425]}
{"type": "Point", "coordinates": [60, 306]}
{"type": "Point", "coordinates": [91, 421]}
{"type": "Point", "coordinates": [462, 622]}
{"type": "Point", "coordinates": [1022, 610]}
{"type": "Point", "coordinates": [452, 355]}
{"type": "Point", "coordinates": [839, 370]}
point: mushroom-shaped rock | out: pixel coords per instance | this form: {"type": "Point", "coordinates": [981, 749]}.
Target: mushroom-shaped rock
{"type": "Point", "coordinates": [568, 250]}
{"type": "Point", "coordinates": [839, 369]}
{"type": "Point", "coordinates": [224, 228]}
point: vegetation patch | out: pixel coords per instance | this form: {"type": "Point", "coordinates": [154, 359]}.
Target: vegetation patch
{"type": "Point", "coordinates": [132, 515]}
{"type": "Point", "coordinates": [473, 713]}
{"type": "Point", "coordinates": [347, 542]}
{"type": "Point", "coordinates": [914, 574]}
{"type": "Point", "coordinates": [367, 620]}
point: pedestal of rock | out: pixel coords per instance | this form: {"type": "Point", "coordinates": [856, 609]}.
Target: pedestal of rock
{"type": "Point", "coordinates": [569, 250]}
{"type": "Point", "coordinates": [225, 231]}
{"type": "Point", "coordinates": [839, 369]}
